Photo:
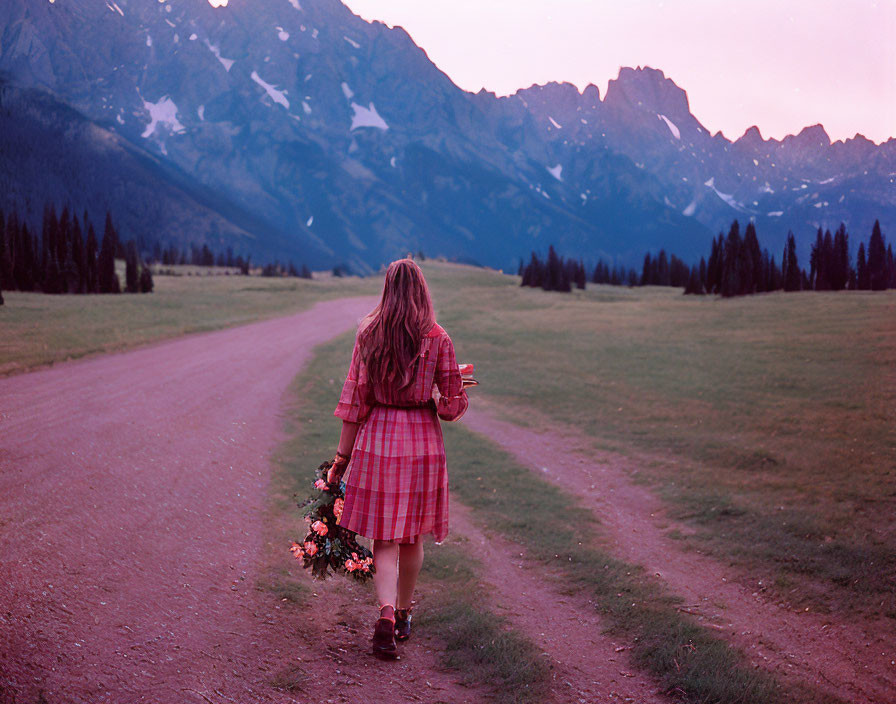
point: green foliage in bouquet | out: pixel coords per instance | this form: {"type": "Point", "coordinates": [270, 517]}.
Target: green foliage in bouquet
{"type": "Point", "coordinates": [329, 547]}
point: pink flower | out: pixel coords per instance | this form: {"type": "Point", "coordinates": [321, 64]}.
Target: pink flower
{"type": "Point", "coordinates": [319, 527]}
{"type": "Point", "coordinates": [296, 550]}
{"type": "Point", "coordinates": [338, 505]}
{"type": "Point", "coordinates": [320, 484]}
{"type": "Point", "coordinates": [351, 565]}
{"type": "Point", "coordinates": [310, 549]}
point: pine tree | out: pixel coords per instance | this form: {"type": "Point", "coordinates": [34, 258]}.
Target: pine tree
{"type": "Point", "coordinates": [792, 274]}
{"type": "Point", "coordinates": [3, 254]}
{"type": "Point", "coordinates": [79, 254]}
{"type": "Point", "coordinates": [580, 275]}
{"type": "Point", "coordinates": [663, 272]}
{"type": "Point", "coordinates": [694, 286]}
{"type": "Point", "coordinates": [877, 260]}
{"type": "Point", "coordinates": [751, 258]}
{"type": "Point", "coordinates": [891, 265]}
{"type": "Point", "coordinates": [132, 281]}
{"type": "Point", "coordinates": [645, 270]}
{"type": "Point", "coordinates": [863, 280]}
{"type": "Point", "coordinates": [714, 266]}
{"type": "Point", "coordinates": [732, 283]}
{"type": "Point", "coordinates": [146, 282]}
{"type": "Point", "coordinates": [92, 284]}
{"type": "Point", "coordinates": [840, 265]}
{"type": "Point", "coordinates": [107, 278]}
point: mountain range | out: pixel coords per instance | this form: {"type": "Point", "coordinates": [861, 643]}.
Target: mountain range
{"type": "Point", "coordinates": [294, 129]}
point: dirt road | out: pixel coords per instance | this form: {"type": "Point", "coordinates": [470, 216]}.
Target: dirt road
{"type": "Point", "coordinates": [131, 489]}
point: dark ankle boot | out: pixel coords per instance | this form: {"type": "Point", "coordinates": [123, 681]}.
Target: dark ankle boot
{"type": "Point", "coordinates": [384, 639]}
{"type": "Point", "coordinates": [402, 624]}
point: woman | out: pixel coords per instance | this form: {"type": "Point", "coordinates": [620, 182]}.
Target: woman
{"type": "Point", "coordinates": [403, 377]}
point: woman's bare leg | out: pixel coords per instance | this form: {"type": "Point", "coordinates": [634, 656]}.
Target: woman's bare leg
{"type": "Point", "coordinates": [410, 560]}
{"type": "Point", "coordinates": [385, 578]}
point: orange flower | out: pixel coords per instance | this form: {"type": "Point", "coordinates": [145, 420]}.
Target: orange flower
{"type": "Point", "coordinates": [338, 505]}
{"type": "Point", "coordinates": [310, 549]}
{"type": "Point", "coordinates": [351, 565]}
{"type": "Point", "coordinates": [319, 527]}
{"type": "Point", "coordinates": [296, 550]}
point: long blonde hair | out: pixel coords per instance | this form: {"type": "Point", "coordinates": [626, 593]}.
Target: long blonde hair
{"type": "Point", "coordinates": [391, 335]}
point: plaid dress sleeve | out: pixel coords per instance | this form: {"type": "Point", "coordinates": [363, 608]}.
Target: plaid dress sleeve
{"type": "Point", "coordinates": [356, 400]}
{"type": "Point", "coordinates": [453, 401]}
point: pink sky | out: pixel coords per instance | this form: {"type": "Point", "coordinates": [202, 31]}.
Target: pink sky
{"type": "Point", "coordinates": [778, 64]}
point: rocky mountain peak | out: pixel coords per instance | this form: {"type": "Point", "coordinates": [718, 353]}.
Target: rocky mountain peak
{"type": "Point", "coordinates": [809, 137]}
{"type": "Point", "coordinates": [646, 88]}
{"type": "Point", "coordinates": [751, 138]}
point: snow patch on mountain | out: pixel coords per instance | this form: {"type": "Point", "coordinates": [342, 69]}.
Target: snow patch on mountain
{"type": "Point", "coordinates": [163, 112]}
{"type": "Point", "coordinates": [310, 220]}
{"type": "Point", "coordinates": [194, 37]}
{"type": "Point", "coordinates": [347, 92]}
{"type": "Point", "coordinates": [201, 112]}
{"type": "Point", "coordinates": [115, 8]}
{"type": "Point", "coordinates": [295, 4]}
{"type": "Point", "coordinates": [827, 180]}
{"type": "Point", "coordinates": [556, 171]}
{"type": "Point", "coordinates": [776, 213]}
{"type": "Point", "coordinates": [278, 96]}
{"type": "Point", "coordinates": [352, 42]}
{"type": "Point", "coordinates": [306, 107]}
{"type": "Point", "coordinates": [282, 34]}
{"type": "Point", "coordinates": [555, 123]}
{"type": "Point", "coordinates": [727, 197]}
{"type": "Point", "coordinates": [392, 162]}
{"type": "Point", "coordinates": [367, 117]}
{"type": "Point", "coordinates": [766, 188]}
{"type": "Point", "coordinates": [673, 128]}
{"type": "Point", "coordinates": [226, 63]}
{"type": "Point", "coordinates": [148, 40]}
{"type": "Point", "coordinates": [690, 209]}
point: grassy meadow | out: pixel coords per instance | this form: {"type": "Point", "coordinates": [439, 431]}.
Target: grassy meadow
{"type": "Point", "coordinates": [37, 329]}
{"type": "Point", "coordinates": [768, 422]}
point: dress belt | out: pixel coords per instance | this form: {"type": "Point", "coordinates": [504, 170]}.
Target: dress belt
{"type": "Point", "coordinates": [425, 404]}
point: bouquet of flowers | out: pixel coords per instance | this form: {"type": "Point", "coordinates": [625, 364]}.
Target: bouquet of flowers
{"type": "Point", "coordinates": [329, 547]}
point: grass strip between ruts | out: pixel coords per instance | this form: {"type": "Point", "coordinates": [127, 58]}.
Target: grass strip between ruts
{"type": "Point", "coordinates": [477, 643]}
{"type": "Point", "coordinates": [691, 663]}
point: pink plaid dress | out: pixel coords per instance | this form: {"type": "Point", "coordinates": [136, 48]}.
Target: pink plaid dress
{"type": "Point", "coordinates": [396, 484]}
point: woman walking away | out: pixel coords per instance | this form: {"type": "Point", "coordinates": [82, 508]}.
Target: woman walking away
{"type": "Point", "coordinates": [403, 377]}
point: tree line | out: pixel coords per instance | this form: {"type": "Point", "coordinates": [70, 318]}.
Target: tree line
{"type": "Point", "coordinates": [555, 273]}
{"type": "Point", "coordinates": [738, 266]}
{"type": "Point", "coordinates": [67, 256]}
{"type": "Point", "coordinates": [204, 256]}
